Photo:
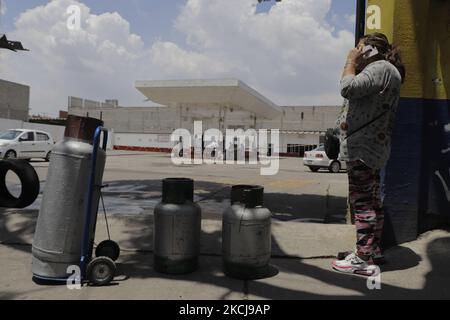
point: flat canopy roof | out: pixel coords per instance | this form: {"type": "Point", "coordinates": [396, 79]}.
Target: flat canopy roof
{"type": "Point", "coordinates": [230, 92]}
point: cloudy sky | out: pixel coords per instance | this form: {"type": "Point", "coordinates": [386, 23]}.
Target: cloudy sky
{"type": "Point", "coordinates": [291, 51]}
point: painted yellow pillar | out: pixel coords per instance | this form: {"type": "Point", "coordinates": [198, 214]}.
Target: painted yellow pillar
{"type": "Point", "coordinates": [422, 30]}
{"type": "Point", "coordinates": [418, 173]}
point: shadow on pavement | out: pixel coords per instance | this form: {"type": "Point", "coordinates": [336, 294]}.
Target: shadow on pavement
{"type": "Point", "coordinates": [140, 264]}
{"type": "Point", "coordinates": [399, 258]}
{"type": "Point", "coordinates": [123, 196]}
{"type": "Point", "coordinates": [23, 228]}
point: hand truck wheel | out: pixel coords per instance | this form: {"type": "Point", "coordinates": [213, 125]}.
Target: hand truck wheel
{"type": "Point", "coordinates": [100, 271]}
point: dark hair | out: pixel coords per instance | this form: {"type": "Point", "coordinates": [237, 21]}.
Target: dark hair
{"type": "Point", "coordinates": [388, 52]}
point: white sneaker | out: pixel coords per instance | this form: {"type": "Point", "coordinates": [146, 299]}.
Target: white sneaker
{"type": "Point", "coordinates": [354, 264]}
{"type": "Point", "coordinates": [378, 258]}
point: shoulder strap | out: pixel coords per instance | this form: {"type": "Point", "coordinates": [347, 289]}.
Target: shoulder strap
{"type": "Point", "coordinates": [368, 123]}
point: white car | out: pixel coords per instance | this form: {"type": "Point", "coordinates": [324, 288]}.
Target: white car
{"type": "Point", "coordinates": [317, 159]}
{"type": "Point", "coordinates": [25, 144]}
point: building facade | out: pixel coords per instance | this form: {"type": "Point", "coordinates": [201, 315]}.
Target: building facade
{"type": "Point", "coordinates": [14, 100]}
{"type": "Point", "coordinates": [220, 104]}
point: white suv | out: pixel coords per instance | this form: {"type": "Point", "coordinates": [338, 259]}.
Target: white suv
{"type": "Point", "coordinates": [25, 144]}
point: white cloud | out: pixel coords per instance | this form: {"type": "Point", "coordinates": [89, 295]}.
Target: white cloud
{"type": "Point", "coordinates": [98, 61]}
{"type": "Point", "coordinates": [350, 18]}
{"type": "Point", "coordinates": [181, 63]}
{"type": "Point", "coordinates": [289, 54]}
{"type": "Point", "coordinates": [3, 8]}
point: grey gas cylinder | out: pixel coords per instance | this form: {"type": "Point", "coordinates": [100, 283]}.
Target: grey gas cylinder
{"type": "Point", "coordinates": [177, 228]}
{"type": "Point", "coordinates": [59, 229]}
{"type": "Point", "coordinates": [246, 234]}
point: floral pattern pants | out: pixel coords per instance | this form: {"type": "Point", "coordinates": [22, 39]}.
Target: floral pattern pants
{"type": "Point", "coordinates": [365, 200]}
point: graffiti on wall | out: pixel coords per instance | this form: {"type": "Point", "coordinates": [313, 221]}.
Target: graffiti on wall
{"type": "Point", "coordinates": [438, 173]}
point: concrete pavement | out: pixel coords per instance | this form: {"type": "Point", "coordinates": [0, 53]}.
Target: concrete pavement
{"type": "Point", "coordinates": [301, 261]}
{"type": "Point", "coordinates": [302, 252]}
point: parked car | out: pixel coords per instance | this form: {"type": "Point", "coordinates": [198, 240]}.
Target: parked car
{"type": "Point", "coordinates": [317, 159]}
{"type": "Point", "coordinates": [25, 144]}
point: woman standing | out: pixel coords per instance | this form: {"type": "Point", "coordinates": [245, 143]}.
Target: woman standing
{"type": "Point", "coordinates": [370, 84]}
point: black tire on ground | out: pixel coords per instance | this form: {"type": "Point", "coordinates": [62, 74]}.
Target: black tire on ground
{"type": "Point", "coordinates": [108, 248]}
{"type": "Point", "coordinates": [28, 178]}
{"type": "Point", "coordinates": [335, 167]}
{"type": "Point", "coordinates": [10, 154]}
{"type": "Point", "coordinates": [100, 271]}
{"type": "Point", "coordinates": [313, 169]}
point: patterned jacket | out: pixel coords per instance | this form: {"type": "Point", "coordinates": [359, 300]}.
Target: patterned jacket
{"type": "Point", "coordinates": [367, 95]}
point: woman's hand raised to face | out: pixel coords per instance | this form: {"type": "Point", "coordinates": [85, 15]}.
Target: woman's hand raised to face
{"type": "Point", "coordinates": [355, 54]}
{"type": "Point", "coordinates": [353, 58]}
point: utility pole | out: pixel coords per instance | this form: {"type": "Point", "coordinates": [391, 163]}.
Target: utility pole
{"type": "Point", "coordinates": [360, 20]}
